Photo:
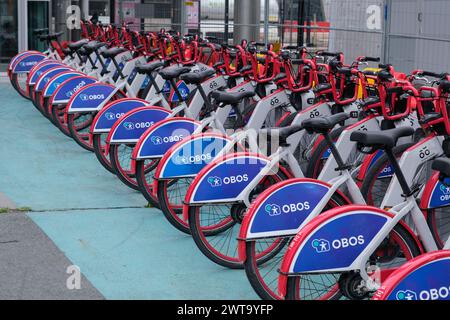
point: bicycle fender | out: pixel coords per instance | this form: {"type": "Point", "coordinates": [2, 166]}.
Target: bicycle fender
{"type": "Point", "coordinates": [25, 63]}
{"type": "Point", "coordinates": [332, 241]}
{"type": "Point", "coordinates": [62, 87]}
{"type": "Point", "coordinates": [224, 179]}
{"type": "Point", "coordinates": [113, 111]}
{"type": "Point", "coordinates": [130, 127]}
{"type": "Point", "coordinates": [160, 137]}
{"type": "Point", "coordinates": [187, 157]}
{"type": "Point", "coordinates": [283, 209]}
{"type": "Point", "coordinates": [90, 98]}
{"type": "Point", "coordinates": [423, 278]}
{"type": "Point", "coordinates": [436, 193]}
{"type": "Point", "coordinates": [46, 76]}
{"type": "Point", "coordinates": [40, 68]}
{"type": "Point", "coordinates": [19, 56]}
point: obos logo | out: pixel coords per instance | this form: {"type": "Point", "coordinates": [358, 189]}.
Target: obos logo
{"type": "Point", "coordinates": [275, 210]}
{"type": "Point", "coordinates": [446, 192]}
{"type": "Point", "coordinates": [217, 182]}
{"type": "Point", "coordinates": [193, 159]}
{"type": "Point", "coordinates": [322, 245]}
{"type": "Point", "coordinates": [128, 125]}
{"type": "Point", "coordinates": [113, 116]}
{"type": "Point", "coordinates": [406, 295]}
{"type": "Point", "coordinates": [157, 140]}
{"type": "Point", "coordinates": [86, 97]}
{"type": "Point", "coordinates": [430, 294]}
{"type": "Point", "coordinates": [78, 87]}
{"type": "Point", "coordinates": [110, 116]}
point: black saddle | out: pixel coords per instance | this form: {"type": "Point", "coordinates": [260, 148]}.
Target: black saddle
{"type": "Point", "coordinates": [381, 139]}
{"type": "Point", "coordinates": [173, 72]}
{"type": "Point", "coordinates": [444, 85]}
{"type": "Point", "coordinates": [324, 124]}
{"type": "Point", "coordinates": [442, 165]}
{"type": "Point", "coordinates": [74, 46]}
{"type": "Point", "coordinates": [429, 117]}
{"type": "Point", "coordinates": [322, 87]}
{"type": "Point", "coordinates": [231, 97]}
{"type": "Point", "coordinates": [149, 67]}
{"type": "Point", "coordinates": [113, 52]}
{"type": "Point", "coordinates": [93, 46]}
{"type": "Point", "coordinates": [281, 133]}
{"type": "Point", "coordinates": [369, 102]}
{"type": "Point", "coordinates": [197, 77]}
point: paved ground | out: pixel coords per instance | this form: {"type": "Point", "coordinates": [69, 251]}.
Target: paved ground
{"type": "Point", "coordinates": [88, 218]}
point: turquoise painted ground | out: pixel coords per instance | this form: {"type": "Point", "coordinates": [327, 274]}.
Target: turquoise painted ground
{"type": "Point", "coordinates": [125, 250]}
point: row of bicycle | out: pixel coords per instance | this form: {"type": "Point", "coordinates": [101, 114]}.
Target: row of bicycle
{"type": "Point", "coordinates": [322, 180]}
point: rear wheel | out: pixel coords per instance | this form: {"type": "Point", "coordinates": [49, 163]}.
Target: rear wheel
{"type": "Point", "coordinates": [99, 145]}
{"type": "Point", "coordinates": [264, 257]}
{"type": "Point", "coordinates": [439, 222]}
{"type": "Point", "coordinates": [398, 248]}
{"type": "Point", "coordinates": [79, 125]}
{"type": "Point", "coordinates": [171, 195]}
{"type": "Point", "coordinates": [19, 82]}
{"type": "Point", "coordinates": [120, 157]}
{"type": "Point", "coordinates": [58, 112]}
{"type": "Point", "coordinates": [145, 171]}
{"type": "Point", "coordinates": [215, 227]}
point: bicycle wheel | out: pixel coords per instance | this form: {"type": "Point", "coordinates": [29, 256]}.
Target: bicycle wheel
{"type": "Point", "coordinates": [58, 119]}
{"type": "Point", "coordinates": [439, 222]}
{"type": "Point", "coordinates": [145, 171]}
{"type": "Point", "coordinates": [316, 156]}
{"type": "Point", "coordinates": [215, 227]}
{"type": "Point", "coordinates": [264, 257]}
{"type": "Point", "coordinates": [19, 82]}
{"type": "Point", "coordinates": [79, 125]}
{"type": "Point", "coordinates": [171, 195]}
{"type": "Point", "coordinates": [99, 145]}
{"type": "Point", "coordinates": [120, 157]}
{"type": "Point", "coordinates": [394, 251]}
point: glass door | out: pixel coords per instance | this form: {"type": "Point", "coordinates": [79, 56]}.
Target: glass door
{"type": "Point", "coordinates": [8, 32]}
{"type": "Point", "coordinates": [38, 12]}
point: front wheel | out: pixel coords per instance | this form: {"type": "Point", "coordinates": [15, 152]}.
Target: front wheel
{"type": "Point", "coordinates": [398, 248]}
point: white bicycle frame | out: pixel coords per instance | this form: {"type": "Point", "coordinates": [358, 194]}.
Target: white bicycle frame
{"type": "Point", "coordinates": [411, 161]}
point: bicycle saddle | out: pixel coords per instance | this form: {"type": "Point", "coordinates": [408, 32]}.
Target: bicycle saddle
{"type": "Point", "coordinates": [219, 64]}
{"type": "Point", "coordinates": [173, 72]}
{"type": "Point", "coordinates": [369, 101]}
{"type": "Point", "coordinates": [324, 124]}
{"type": "Point", "coordinates": [111, 53]}
{"type": "Point", "coordinates": [444, 85]}
{"type": "Point", "coordinates": [74, 46]}
{"type": "Point", "coordinates": [322, 87]}
{"type": "Point", "coordinates": [231, 97]}
{"type": "Point", "coordinates": [281, 133]}
{"type": "Point", "coordinates": [279, 77]}
{"type": "Point", "coordinates": [442, 165]}
{"type": "Point", "coordinates": [93, 45]}
{"type": "Point", "coordinates": [149, 67]}
{"type": "Point", "coordinates": [197, 77]}
{"type": "Point", "coordinates": [430, 116]}
{"type": "Point", "coordinates": [381, 139]}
